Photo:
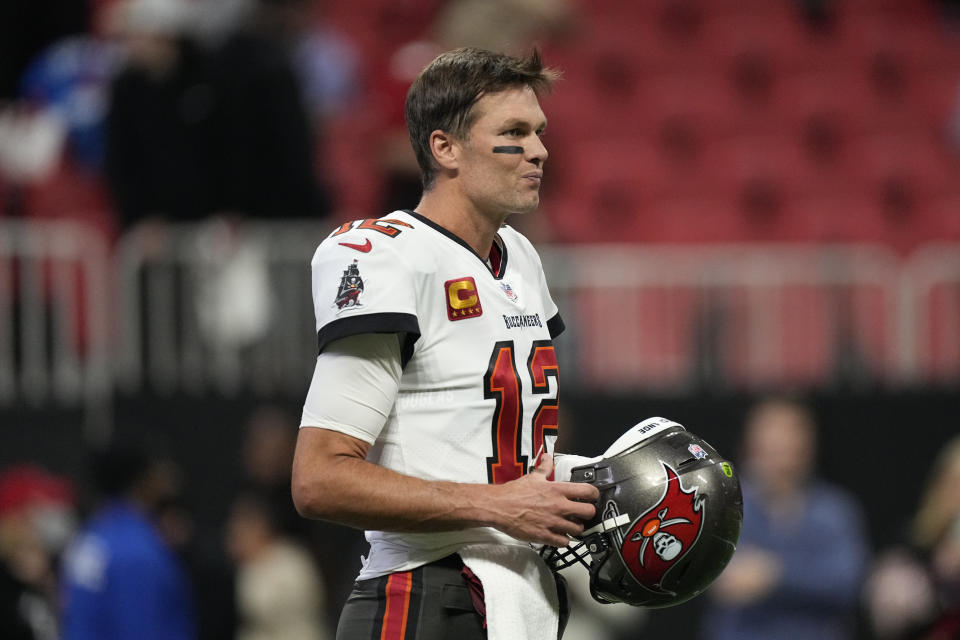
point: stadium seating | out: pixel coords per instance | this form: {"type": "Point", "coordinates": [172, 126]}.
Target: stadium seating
{"type": "Point", "coordinates": [780, 125]}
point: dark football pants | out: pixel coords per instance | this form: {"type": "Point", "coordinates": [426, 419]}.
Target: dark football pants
{"type": "Point", "coordinates": [431, 602]}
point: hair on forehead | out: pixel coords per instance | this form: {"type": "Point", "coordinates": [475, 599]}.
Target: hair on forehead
{"type": "Point", "coordinates": [488, 72]}
{"type": "Point", "coordinates": [445, 93]}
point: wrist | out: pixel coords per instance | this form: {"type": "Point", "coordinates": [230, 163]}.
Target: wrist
{"type": "Point", "coordinates": [478, 505]}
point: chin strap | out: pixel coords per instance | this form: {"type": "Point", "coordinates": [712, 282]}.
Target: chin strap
{"type": "Point", "coordinates": [564, 464]}
{"type": "Point", "coordinates": [608, 525]}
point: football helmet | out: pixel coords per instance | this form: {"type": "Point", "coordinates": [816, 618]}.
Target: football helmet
{"type": "Point", "coordinates": [667, 520]}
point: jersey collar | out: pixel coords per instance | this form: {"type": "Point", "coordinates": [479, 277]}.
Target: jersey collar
{"type": "Point", "coordinates": [497, 266]}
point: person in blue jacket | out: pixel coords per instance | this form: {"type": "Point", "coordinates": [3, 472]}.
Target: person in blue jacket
{"type": "Point", "coordinates": [803, 550]}
{"type": "Point", "coordinates": [121, 580]}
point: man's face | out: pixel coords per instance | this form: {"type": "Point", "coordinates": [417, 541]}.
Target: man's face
{"type": "Point", "coordinates": [502, 182]}
{"type": "Point", "coordinates": [780, 448]}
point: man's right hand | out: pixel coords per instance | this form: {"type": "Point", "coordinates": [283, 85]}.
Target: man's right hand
{"type": "Point", "coordinates": [535, 509]}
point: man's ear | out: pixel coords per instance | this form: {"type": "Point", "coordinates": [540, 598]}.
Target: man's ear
{"type": "Point", "coordinates": [445, 149]}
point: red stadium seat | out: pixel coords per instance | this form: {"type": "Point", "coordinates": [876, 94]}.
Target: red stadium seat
{"type": "Point", "coordinates": [890, 11]}
{"type": "Point", "coordinates": [660, 37]}
{"type": "Point", "coordinates": [602, 191]}
{"type": "Point", "coordinates": [780, 36]}
{"type": "Point", "coordinates": [916, 39]}
{"type": "Point", "coordinates": [693, 219]}
{"type": "Point", "coordinates": [917, 159]}
{"type": "Point", "coordinates": [843, 218]}
{"type": "Point", "coordinates": [862, 218]}
{"type": "Point", "coordinates": [705, 103]}
{"type": "Point", "coordinates": [942, 220]}
{"type": "Point", "coordinates": [937, 97]}
{"type": "Point", "coordinates": [785, 159]}
{"type": "Point", "coordinates": [835, 96]}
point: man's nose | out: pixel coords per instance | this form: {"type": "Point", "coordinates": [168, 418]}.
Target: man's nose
{"type": "Point", "coordinates": [537, 152]}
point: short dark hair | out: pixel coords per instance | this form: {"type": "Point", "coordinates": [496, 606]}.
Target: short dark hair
{"type": "Point", "coordinates": [443, 95]}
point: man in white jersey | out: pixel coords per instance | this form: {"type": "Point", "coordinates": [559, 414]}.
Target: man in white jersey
{"type": "Point", "coordinates": [432, 412]}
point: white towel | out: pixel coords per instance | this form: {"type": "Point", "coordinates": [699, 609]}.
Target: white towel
{"type": "Point", "coordinates": [518, 589]}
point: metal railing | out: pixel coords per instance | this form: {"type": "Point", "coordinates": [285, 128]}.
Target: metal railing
{"type": "Point", "coordinates": [54, 318]}
{"type": "Point", "coordinates": [217, 307]}
{"type": "Point", "coordinates": [930, 311]}
{"type": "Point", "coordinates": [224, 308]}
{"type": "Point", "coordinates": [672, 319]}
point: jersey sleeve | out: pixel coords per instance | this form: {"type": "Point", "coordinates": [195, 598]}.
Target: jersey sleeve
{"type": "Point", "coordinates": [362, 288]}
{"type": "Point", "coordinates": [354, 386]}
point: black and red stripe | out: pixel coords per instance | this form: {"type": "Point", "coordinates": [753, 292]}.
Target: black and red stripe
{"type": "Point", "coordinates": [398, 613]}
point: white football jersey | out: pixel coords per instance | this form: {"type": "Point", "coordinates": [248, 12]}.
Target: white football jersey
{"type": "Point", "coordinates": [478, 392]}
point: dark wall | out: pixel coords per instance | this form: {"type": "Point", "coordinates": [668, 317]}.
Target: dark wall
{"type": "Point", "coordinates": [879, 446]}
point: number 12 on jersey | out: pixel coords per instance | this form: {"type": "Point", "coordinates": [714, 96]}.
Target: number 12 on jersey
{"type": "Point", "coordinates": [502, 383]}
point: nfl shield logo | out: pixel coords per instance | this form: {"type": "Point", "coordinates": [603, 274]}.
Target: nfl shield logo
{"type": "Point", "coordinates": [697, 451]}
{"type": "Point", "coordinates": [509, 292]}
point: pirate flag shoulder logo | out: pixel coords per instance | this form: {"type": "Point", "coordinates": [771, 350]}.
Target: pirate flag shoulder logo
{"type": "Point", "coordinates": [664, 534]}
{"type": "Point", "coordinates": [351, 286]}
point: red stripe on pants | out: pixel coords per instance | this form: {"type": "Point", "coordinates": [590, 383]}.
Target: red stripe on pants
{"type": "Point", "coordinates": [398, 605]}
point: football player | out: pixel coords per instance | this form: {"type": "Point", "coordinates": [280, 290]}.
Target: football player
{"type": "Point", "coordinates": [432, 412]}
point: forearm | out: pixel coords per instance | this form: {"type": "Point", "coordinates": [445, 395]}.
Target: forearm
{"type": "Point", "coordinates": [333, 481]}
{"type": "Point", "coordinates": [361, 494]}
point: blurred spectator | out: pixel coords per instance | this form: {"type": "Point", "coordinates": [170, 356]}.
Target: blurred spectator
{"type": "Point", "coordinates": [71, 78]}
{"type": "Point", "coordinates": [262, 131]}
{"type": "Point", "coordinates": [160, 151]}
{"type": "Point", "coordinates": [121, 579]}
{"type": "Point", "coordinates": [801, 555]}
{"type": "Point", "coordinates": [65, 87]}
{"type": "Point", "coordinates": [267, 457]}
{"type": "Point", "coordinates": [328, 72]}
{"type": "Point", "coordinates": [279, 591]}
{"type": "Point", "coordinates": [194, 132]}
{"type": "Point", "coordinates": [30, 144]}
{"type": "Point", "coordinates": [914, 591]}
{"type": "Point", "coordinates": [323, 59]}
{"type": "Point", "coordinates": [268, 446]}
{"type": "Point", "coordinates": [501, 25]}
{"type": "Point", "coordinates": [36, 520]}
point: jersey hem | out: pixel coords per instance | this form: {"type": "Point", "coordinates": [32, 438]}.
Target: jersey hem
{"type": "Point", "coordinates": [420, 557]}
{"type": "Point", "coordinates": [329, 425]}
